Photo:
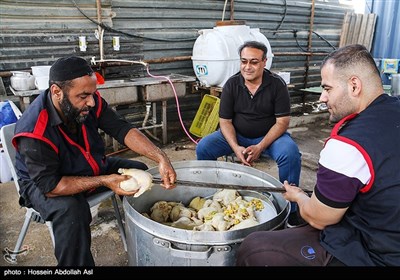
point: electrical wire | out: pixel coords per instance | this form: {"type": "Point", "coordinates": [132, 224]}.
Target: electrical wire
{"type": "Point", "coordinates": [110, 29]}
{"type": "Point", "coordinates": [319, 36]}
{"type": "Point", "coordinates": [177, 103]}
{"type": "Point", "coordinates": [295, 31]}
{"type": "Point", "coordinates": [297, 42]}
{"type": "Point", "coordinates": [283, 18]}
{"type": "Point", "coordinates": [107, 28]}
{"type": "Point", "coordinates": [94, 61]}
{"type": "Point", "coordinates": [322, 38]}
{"type": "Point", "coordinates": [223, 11]}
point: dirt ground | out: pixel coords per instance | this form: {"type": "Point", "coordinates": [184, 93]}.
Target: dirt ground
{"type": "Point", "coordinates": [308, 131]}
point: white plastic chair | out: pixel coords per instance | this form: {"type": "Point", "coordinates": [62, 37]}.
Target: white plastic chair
{"type": "Point", "coordinates": [6, 134]}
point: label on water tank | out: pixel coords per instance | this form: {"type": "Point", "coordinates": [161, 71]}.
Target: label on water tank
{"type": "Point", "coordinates": [201, 70]}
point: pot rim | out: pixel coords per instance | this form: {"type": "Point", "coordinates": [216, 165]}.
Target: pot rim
{"type": "Point", "coordinates": [201, 237]}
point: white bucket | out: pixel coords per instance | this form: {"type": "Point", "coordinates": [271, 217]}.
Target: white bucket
{"type": "Point", "coordinates": [42, 82]}
{"type": "Point", "coordinates": [40, 71]}
{"type": "Point", "coordinates": [215, 52]}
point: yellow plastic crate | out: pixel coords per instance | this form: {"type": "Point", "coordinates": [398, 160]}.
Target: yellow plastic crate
{"type": "Point", "coordinates": [206, 119]}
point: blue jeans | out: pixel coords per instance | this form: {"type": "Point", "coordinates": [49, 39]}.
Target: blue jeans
{"type": "Point", "coordinates": [284, 151]}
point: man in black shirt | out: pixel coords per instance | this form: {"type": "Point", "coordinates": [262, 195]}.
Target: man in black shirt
{"type": "Point", "coordinates": [61, 156]}
{"type": "Point", "coordinates": [254, 115]}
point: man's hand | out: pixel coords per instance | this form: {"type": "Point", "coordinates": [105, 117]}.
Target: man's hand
{"type": "Point", "coordinates": [239, 152]}
{"type": "Point", "coordinates": [293, 193]}
{"type": "Point", "coordinates": [113, 182]}
{"type": "Point", "coordinates": [168, 174]}
{"type": "Point", "coordinates": [252, 153]}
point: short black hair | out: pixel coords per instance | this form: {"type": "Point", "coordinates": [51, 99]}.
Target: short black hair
{"type": "Point", "coordinates": [348, 56]}
{"type": "Point", "coordinates": [254, 45]}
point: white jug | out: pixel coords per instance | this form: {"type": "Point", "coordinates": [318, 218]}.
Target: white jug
{"type": "Point", "coordinates": [21, 80]}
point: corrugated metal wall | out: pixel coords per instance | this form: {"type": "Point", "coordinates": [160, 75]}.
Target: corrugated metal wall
{"type": "Point", "coordinates": [37, 32]}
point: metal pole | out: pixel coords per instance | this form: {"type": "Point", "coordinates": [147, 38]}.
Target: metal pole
{"type": "Point", "coordinates": [100, 30]}
{"type": "Point", "coordinates": [309, 45]}
{"type": "Point", "coordinates": [232, 10]}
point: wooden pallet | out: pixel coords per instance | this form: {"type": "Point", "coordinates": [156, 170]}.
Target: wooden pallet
{"type": "Point", "coordinates": [358, 29]}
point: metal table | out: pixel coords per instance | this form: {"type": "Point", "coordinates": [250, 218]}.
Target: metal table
{"type": "Point", "coordinates": [25, 96]}
{"type": "Point", "coordinates": [148, 89]}
{"type": "Point", "coordinates": [158, 89]}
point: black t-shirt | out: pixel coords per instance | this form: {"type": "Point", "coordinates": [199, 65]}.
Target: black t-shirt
{"type": "Point", "coordinates": [253, 116]}
{"type": "Point", "coordinates": [44, 163]}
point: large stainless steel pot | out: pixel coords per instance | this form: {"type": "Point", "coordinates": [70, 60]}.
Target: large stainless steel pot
{"type": "Point", "coordinates": [153, 244]}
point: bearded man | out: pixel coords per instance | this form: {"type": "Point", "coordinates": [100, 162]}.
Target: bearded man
{"type": "Point", "coordinates": [61, 157]}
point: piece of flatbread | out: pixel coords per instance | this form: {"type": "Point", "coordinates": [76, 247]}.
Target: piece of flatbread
{"type": "Point", "coordinates": [140, 179]}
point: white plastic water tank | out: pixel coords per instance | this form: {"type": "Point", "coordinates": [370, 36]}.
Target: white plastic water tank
{"type": "Point", "coordinates": [215, 52]}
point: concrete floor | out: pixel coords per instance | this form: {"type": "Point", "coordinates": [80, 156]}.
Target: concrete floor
{"type": "Point", "coordinates": [308, 131]}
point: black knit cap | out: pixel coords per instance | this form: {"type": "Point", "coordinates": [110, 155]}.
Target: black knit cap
{"type": "Point", "coordinates": [69, 68]}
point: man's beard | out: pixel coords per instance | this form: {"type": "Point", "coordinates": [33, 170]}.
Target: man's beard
{"type": "Point", "coordinates": [71, 112]}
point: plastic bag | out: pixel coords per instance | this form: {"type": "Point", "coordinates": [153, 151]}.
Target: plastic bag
{"type": "Point", "coordinates": [7, 114]}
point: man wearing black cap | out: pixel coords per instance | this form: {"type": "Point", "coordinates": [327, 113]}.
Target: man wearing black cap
{"type": "Point", "coordinates": [61, 156]}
